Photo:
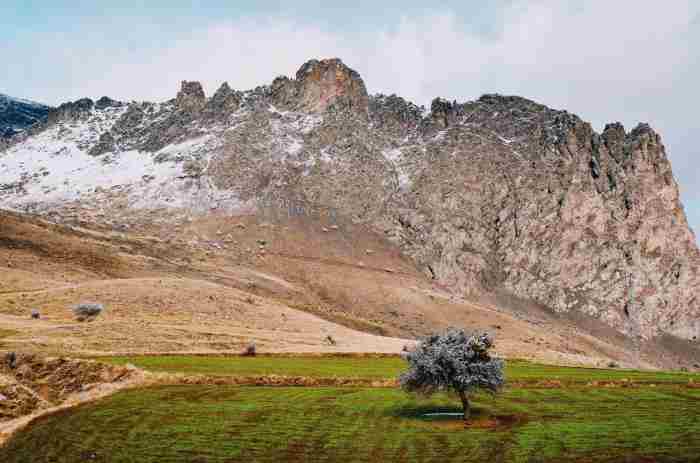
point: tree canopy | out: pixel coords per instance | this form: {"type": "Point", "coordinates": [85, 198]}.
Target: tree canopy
{"type": "Point", "coordinates": [453, 360]}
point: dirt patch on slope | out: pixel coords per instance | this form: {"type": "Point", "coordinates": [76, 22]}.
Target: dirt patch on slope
{"type": "Point", "coordinates": [31, 386]}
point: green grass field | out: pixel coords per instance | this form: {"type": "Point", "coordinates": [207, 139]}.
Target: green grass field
{"type": "Point", "coordinates": [657, 421]}
{"type": "Point", "coordinates": [376, 368]}
{"type": "Point", "coordinates": [259, 424]}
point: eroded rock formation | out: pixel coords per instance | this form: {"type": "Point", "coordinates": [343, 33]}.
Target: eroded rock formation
{"type": "Point", "coordinates": [500, 194]}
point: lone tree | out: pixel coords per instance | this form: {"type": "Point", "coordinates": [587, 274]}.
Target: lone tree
{"type": "Point", "coordinates": [453, 360]}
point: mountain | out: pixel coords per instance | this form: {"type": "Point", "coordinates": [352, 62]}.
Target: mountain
{"type": "Point", "coordinates": [16, 115]}
{"type": "Point", "coordinates": [500, 198]}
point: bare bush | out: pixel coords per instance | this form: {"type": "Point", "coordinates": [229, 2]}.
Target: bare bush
{"type": "Point", "coordinates": [11, 360]}
{"type": "Point", "coordinates": [87, 311]}
{"type": "Point", "coordinates": [249, 350]}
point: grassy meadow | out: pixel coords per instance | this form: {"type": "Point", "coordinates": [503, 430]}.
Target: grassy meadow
{"type": "Point", "coordinates": [530, 421]}
{"type": "Point", "coordinates": [379, 367]}
{"type": "Point", "coordinates": [258, 424]}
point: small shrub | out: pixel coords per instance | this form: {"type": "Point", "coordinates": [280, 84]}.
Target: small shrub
{"type": "Point", "coordinates": [249, 350]}
{"type": "Point", "coordinates": [87, 311]}
{"type": "Point", "coordinates": [11, 360]}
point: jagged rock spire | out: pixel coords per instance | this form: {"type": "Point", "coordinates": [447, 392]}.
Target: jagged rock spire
{"type": "Point", "coordinates": [191, 96]}
{"type": "Point", "coordinates": [320, 85]}
{"type": "Point", "coordinates": [224, 101]}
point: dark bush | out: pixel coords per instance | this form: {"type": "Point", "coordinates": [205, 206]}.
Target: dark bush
{"type": "Point", "coordinates": [249, 350]}
{"type": "Point", "coordinates": [11, 360]}
{"type": "Point", "coordinates": [87, 311]}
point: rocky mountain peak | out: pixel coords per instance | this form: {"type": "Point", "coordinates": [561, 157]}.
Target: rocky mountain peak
{"type": "Point", "coordinates": [500, 194]}
{"type": "Point", "coordinates": [16, 115]}
{"type": "Point", "coordinates": [614, 131]}
{"type": "Point", "coordinates": [443, 112]}
{"type": "Point", "coordinates": [72, 110]}
{"type": "Point", "coordinates": [224, 101]}
{"type": "Point", "coordinates": [191, 96]}
{"type": "Point", "coordinates": [643, 129]}
{"type": "Point", "coordinates": [395, 113]}
{"type": "Point", "coordinates": [323, 82]}
{"type": "Point", "coordinates": [320, 85]}
{"type": "Point", "coordinates": [107, 102]}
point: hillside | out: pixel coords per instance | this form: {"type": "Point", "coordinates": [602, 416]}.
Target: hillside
{"type": "Point", "coordinates": [371, 213]}
{"type": "Point", "coordinates": [210, 286]}
{"type": "Point", "coordinates": [16, 115]}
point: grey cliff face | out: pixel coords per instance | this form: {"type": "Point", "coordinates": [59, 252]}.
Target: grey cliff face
{"type": "Point", "coordinates": [498, 194]}
{"type": "Point", "coordinates": [519, 197]}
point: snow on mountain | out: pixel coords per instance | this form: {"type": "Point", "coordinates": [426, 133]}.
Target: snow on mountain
{"type": "Point", "coordinates": [54, 168]}
{"type": "Point", "coordinates": [17, 114]}
{"type": "Point", "coordinates": [6, 99]}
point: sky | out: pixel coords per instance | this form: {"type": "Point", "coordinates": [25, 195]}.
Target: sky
{"type": "Point", "coordinates": [607, 61]}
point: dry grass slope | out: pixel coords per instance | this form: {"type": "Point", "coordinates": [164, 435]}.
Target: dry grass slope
{"type": "Point", "coordinates": [215, 283]}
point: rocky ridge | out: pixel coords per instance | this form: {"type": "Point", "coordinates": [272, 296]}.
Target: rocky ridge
{"type": "Point", "coordinates": [497, 195]}
{"type": "Point", "coordinates": [17, 115]}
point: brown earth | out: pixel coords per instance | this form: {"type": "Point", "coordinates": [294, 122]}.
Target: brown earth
{"type": "Point", "coordinates": [218, 283]}
{"type": "Point", "coordinates": [32, 385]}
{"type": "Point", "coordinates": [489, 198]}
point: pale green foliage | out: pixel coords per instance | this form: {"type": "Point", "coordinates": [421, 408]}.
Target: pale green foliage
{"type": "Point", "coordinates": [453, 360]}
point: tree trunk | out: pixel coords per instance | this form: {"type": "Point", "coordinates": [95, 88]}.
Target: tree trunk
{"type": "Point", "coordinates": [465, 404]}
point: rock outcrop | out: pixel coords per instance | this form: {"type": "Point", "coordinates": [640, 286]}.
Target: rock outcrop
{"type": "Point", "coordinates": [190, 97]}
{"type": "Point", "coordinates": [223, 103]}
{"type": "Point", "coordinates": [72, 110]}
{"type": "Point", "coordinates": [501, 194]}
{"type": "Point", "coordinates": [106, 102]}
{"type": "Point", "coordinates": [18, 115]}
{"type": "Point", "coordinates": [523, 198]}
{"type": "Point", "coordinates": [320, 85]}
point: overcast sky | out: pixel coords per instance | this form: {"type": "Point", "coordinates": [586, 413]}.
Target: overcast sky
{"type": "Point", "coordinates": [604, 60]}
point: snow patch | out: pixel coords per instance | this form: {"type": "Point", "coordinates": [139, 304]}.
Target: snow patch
{"type": "Point", "coordinates": [13, 99]}
{"type": "Point", "coordinates": [54, 168]}
{"type": "Point", "coordinates": [395, 158]}
{"type": "Point", "coordinates": [505, 140]}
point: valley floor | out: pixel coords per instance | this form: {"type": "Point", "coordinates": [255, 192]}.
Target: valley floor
{"type": "Point", "coordinates": [545, 413]}
{"type": "Point", "coordinates": [386, 367]}
{"type": "Point", "coordinates": [196, 293]}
